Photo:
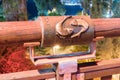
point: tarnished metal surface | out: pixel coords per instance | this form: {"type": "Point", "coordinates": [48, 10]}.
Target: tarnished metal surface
{"type": "Point", "coordinates": [66, 30]}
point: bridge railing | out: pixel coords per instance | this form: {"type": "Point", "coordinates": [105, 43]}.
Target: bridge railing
{"type": "Point", "coordinates": [86, 71]}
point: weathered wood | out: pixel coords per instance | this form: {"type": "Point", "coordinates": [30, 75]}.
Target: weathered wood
{"type": "Point", "coordinates": [102, 68]}
{"type": "Point", "coordinates": [107, 77]}
{"type": "Point", "coordinates": [99, 73]}
{"type": "Point", "coordinates": [86, 67]}
{"type": "Point", "coordinates": [66, 68]}
{"type": "Point", "coordinates": [27, 75]}
{"type": "Point", "coordinates": [90, 71]}
{"type": "Point", "coordinates": [21, 31]}
{"type": "Point", "coordinates": [107, 27]}
{"type": "Point", "coordinates": [81, 76]}
{"type": "Point", "coordinates": [74, 76]}
{"type": "Point", "coordinates": [89, 79]}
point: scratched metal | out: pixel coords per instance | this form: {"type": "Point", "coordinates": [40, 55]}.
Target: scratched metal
{"type": "Point", "coordinates": [51, 39]}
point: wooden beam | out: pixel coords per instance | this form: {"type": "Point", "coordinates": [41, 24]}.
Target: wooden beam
{"type": "Point", "coordinates": [101, 68]}
{"type": "Point", "coordinates": [19, 31]}
{"type": "Point", "coordinates": [27, 75]}
{"type": "Point", "coordinates": [99, 73]}
{"type": "Point", "coordinates": [29, 31]}
{"type": "Point", "coordinates": [90, 70]}
{"type": "Point", "coordinates": [107, 27]}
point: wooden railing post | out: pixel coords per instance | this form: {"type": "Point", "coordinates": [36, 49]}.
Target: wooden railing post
{"type": "Point", "coordinates": [65, 69]}
{"type": "Point", "coordinates": [107, 77]}
{"type": "Point", "coordinates": [81, 76]}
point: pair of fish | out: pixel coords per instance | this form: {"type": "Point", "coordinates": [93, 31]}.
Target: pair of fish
{"type": "Point", "coordinates": [64, 31]}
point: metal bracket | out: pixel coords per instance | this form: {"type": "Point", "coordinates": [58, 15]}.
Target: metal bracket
{"type": "Point", "coordinates": [67, 66]}
{"type": "Point", "coordinates": [50, 59]}
{"type": "Point", "coordinates": [31, 46]}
